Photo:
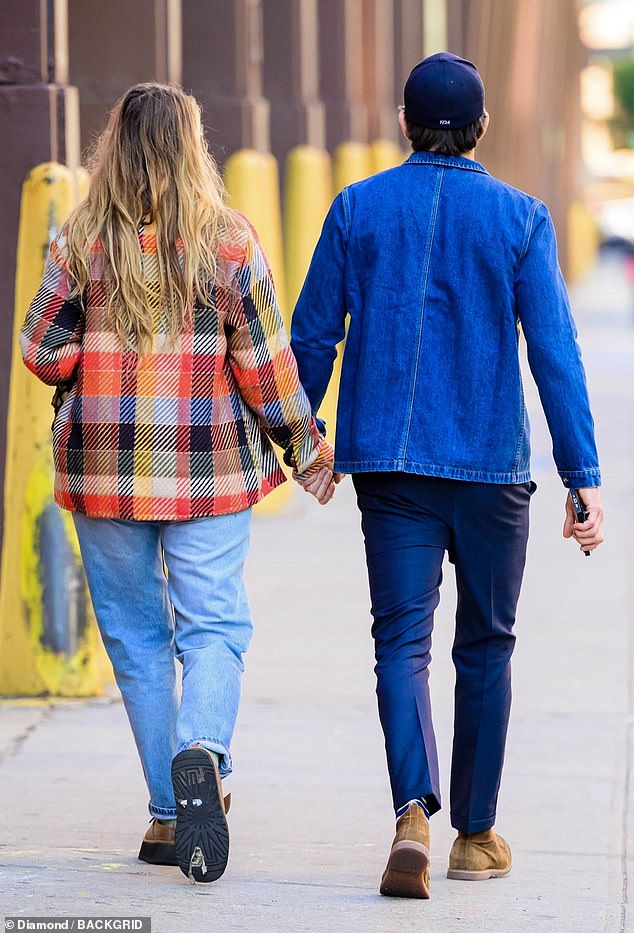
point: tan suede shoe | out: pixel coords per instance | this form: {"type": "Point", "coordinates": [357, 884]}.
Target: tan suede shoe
{"type": "Point", "coordinates": [479, 856]}
{"type": "Point", "coordinates": [407, 871]}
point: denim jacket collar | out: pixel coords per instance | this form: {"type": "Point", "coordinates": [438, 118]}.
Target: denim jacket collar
{"type": "Point", "coordinates": [435, 158]}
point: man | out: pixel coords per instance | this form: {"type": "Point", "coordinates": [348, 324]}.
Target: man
{"type": "Point", "coordinates": [436, 265]}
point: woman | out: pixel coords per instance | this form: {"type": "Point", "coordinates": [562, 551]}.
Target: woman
{"type": "Point", "coordinates": [157, 307]}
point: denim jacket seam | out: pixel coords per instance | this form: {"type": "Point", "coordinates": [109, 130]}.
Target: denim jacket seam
{"type": "Point", "coordinates": [423, 298]}
{"type": "Point", "coordinates": [520, 438]}
{"type": "Point", "coordinates": [401, 464]}
{"type": "Point", "coordinates": [522, 429]}
{"type": "Point", "coordinates": [529, 227]}
{"type": "Point", "coordinates": [345, 202]}
{"type": "Point", "coordinates": [347, 220]}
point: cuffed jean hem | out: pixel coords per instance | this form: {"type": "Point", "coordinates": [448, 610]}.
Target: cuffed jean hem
{"type": "Point", "coordinates": [162, 813]}
{"type": "Point", "coordinates": [225, 765]}
{"type": "Point", "coordinates": [472, 826]}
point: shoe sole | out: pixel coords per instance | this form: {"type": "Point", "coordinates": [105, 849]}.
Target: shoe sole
{"type": "Point", "coordinates": [201, 845]}
{"type": "Point", "coordinates": [455, 874]}
{"type": "Point", "coordinates": [407, 872]}
{"type": "Point", "coordinates": [157, 853]}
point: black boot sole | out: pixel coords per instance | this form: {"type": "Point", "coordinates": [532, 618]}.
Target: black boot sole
{"type": "Point", "coordinates": [201, 845]}
{"type": "Point", "coordinates": [157, 853]}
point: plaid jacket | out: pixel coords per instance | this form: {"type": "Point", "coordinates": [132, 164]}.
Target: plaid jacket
{"type": "Point", "coordinates": [182, 431]}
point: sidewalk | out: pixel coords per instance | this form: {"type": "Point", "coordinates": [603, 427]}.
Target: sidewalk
{"type": "Point", "coordinates": [311, 822]}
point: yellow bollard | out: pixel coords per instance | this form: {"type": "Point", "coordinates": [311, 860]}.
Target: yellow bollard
{"type": "Point", "coordinates": [48, 636]}
{"type": "Point", "coordinates": [252, 183]}
{"type": "Point", "coordinates": [308, 196]}
{"type": "Point", "coordinates": [583, 240]}
{"type": "Point", "coordinates": [253, 187]}
{"type": "Point", "coordinates": [385, 154]}
{"type": "Point", "coordinates": [353, 162]}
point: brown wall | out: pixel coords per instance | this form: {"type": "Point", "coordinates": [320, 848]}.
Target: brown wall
{"type": "Point", "coordinates": [223, 57]}
{"type": "Point", "coordinates": [291, 74]}
{"type": "Point", "coordinates": [115, 44]}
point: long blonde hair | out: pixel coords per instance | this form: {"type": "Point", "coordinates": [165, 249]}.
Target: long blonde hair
{"type": "Point", "coordinates": [151, 164]}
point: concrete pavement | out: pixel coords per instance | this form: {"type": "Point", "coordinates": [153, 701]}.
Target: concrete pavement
{"type": "Point", "coordinates": [311, 822]}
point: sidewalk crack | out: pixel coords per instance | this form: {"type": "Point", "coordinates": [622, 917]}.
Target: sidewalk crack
{"type": "Point", "coordinates": [14, 745]}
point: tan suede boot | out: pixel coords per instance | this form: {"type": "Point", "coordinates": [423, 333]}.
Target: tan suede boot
{"type": "Point", "coordinates": [479, 856]}
{"type": "Point", "coordinates": [407, 871]}
{"type": "Point", "coordinates": [157, 847]}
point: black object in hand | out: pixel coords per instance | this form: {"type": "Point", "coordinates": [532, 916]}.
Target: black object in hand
{"type": "Point", "coordinates": [581, 513]}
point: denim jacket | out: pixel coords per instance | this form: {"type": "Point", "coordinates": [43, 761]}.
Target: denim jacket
{"type": "Point", "coordinates": [434, 266]}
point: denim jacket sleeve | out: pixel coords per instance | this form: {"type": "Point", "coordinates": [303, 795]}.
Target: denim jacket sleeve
{"type": "Point", "coordinates": [554, 356]}
{"type": "Point", "coordinates": [318, 323]}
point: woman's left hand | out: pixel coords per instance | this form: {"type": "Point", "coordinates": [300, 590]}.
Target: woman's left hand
{"type": "Point", "coordinates": [319, 484]}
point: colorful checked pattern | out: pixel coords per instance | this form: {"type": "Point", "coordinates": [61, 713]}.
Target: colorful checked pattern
{"type": "Point", "coordinates": [183, 430]}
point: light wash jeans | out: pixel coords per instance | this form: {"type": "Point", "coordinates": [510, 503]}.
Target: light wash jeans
{"type": "Point", "coordinates": [197, 612]}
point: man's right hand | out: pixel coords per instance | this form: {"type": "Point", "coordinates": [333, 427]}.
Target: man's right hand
{"type": "Point", "coordinates": [588, 534]}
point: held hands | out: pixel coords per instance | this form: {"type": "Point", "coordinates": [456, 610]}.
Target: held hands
{"type": "Point", "coordinates": [319, 479]}
{"type": "Point", "coordinates": [320, 483]}
{"type": "Point", "coordinates": [588, 534]}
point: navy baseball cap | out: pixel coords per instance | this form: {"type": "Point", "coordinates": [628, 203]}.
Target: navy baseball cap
{"type": "Point", "coordinates": [444, 92]}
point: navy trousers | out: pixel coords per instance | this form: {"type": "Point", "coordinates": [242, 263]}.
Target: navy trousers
{"type": "Point", "coordinates": [409, 522]}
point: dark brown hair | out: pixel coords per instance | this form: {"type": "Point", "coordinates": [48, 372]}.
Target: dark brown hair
{"type": "Point", "coordinates": [445, 142]}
